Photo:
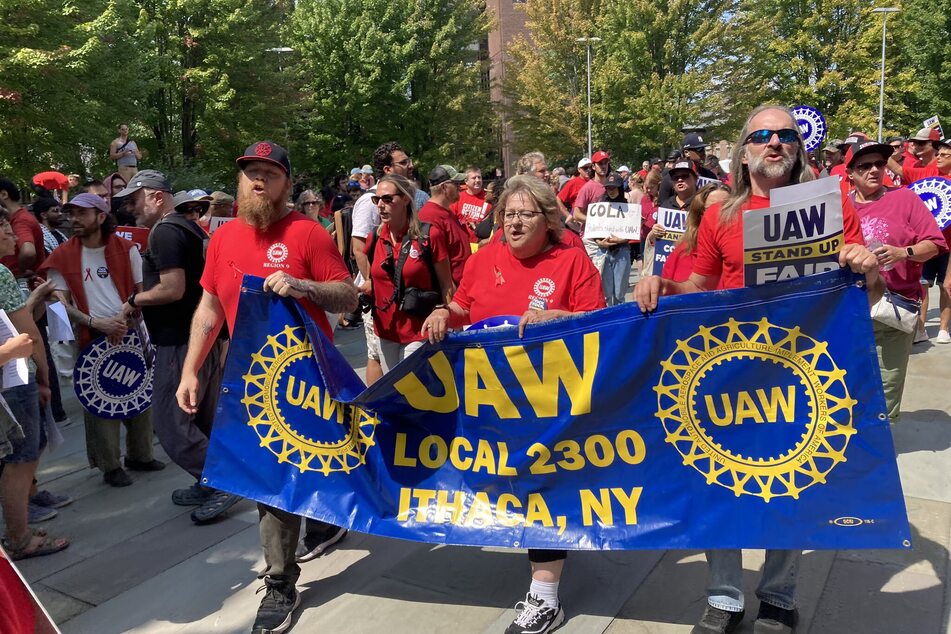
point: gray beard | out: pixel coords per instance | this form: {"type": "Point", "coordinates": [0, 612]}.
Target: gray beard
{"type": "Point", "coordinates": [770, 170]}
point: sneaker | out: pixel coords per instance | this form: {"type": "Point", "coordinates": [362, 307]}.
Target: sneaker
{"type": "Point", "coordinates": [921, 336]}
{"type": "Point", "coordinates": [50, 500]}
{"type": "Point", "coordinates": [216, 504]}
{"type": "Point", "coordinates": [195, 495]}
{"type": "Point", "coordinates": [717, 621]}
{"type": "Point", "coordinates": [38, 513]}
{"type": "Point", "coordinates": [943, 337]}
{"type": "Point", "coordinates": [774, 620]}
{"type": "Point", "coordinates": [150, 465]}
{"type": "Point", "coordinates": [277, 608]}
{"type": "Point", "coordinates": [312, 547]}
{"type": "Point", "coordinates": [117, 478]}
{"type": "Point", "coordinates": [536, 617]}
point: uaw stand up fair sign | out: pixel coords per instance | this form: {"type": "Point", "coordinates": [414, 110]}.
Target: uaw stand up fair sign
{"type": "Point", "coordinates": [741, 418]}
{"type": "Point", "coordinates": [115, 381]}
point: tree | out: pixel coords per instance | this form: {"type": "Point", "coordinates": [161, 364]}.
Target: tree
{"type": "Point", "coordinates": [376, 71]}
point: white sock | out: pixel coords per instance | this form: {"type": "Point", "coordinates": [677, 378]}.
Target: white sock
{"type": "Point", "coordinates": [547, 592]}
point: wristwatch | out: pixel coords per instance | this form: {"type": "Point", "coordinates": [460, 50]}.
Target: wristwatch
{"type": "Point", "coordinates": [131, 300]}
{"type": "Point", "coordinates": [909, 251]}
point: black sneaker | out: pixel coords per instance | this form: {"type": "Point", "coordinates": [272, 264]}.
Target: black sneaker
{"type": "Point", "coordinates": [535, 617]}
{"type": "Point", "coordinates": [277, 608]}
{"type": "Point", "coordinates": [216, 504]}
{"type": "Point", "coordinates": [717, 621]}
{"type": "Point", "coordinates": [117, 478]}
{"type": "Point", "coordinates": [773, 619]}
{"type": "Point", "coordinates": [195, 495]}
{"type": "Point", "coordinates": [313, 546]}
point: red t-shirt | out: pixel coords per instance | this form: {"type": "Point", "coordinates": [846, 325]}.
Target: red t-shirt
{"type": "Point", "coordinates": [912, 174]}
{"type": "Point", "coordinates": [26, 228]}
{"type": "Point", "coordinates": [455, 236]}
{"type": "Point", "coordinates": [496, 282]}
{"type": "Point", "coordinates": [720, 248]}
{"type": "Point", "coordinates": [295, 244]}
{"type": "Point", "coordinates": [648, 216]}
{"type": "Point", "coordinates": [391, 323]}
{"type": "Point", "coordinates": [901, 219]}
{"type": "Point", "coordinates": [679, 264]}
{"type": "Point", "coordinates": [471, 209]}
{"type": "Point", "coordinates": [570, 191]}
{"type": "Point", "coordinates": [17, 613]}
{"type": "Point", "coordinates": [591, 192]}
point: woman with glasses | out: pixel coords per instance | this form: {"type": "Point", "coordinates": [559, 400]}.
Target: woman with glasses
{"type": "Point", "coordinates": [680, 262]}
{"type": "Point", "coordinates": [531, 273]}
{"type": "Point", "coordinates": [409, 271]}
{"type": "Point", "coordinates": [900, 230]}
{"type": "Point", "coordinates": [311, 205]}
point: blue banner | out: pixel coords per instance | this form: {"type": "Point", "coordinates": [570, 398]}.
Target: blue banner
{"type": "Point", "coordinates": [746, 418]}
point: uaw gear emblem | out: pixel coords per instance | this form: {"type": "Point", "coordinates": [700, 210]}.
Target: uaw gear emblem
{"type": "Point", "coordinates": [783, 431]}
{"type": "Point", "coordinates": [544, 287]}
{"type": "Point", "coordinates": [294, 416]}
{"type": "Point", "coordinates": [263, 149]}
{"type": "Point", "coordinates": [277, 252]}
{"type": "Point", "coordinates": [935, 192]}
{"type": "Point", "coordinates": [114, 382]}
{"type": "Point", "coordinates": [812, 125]}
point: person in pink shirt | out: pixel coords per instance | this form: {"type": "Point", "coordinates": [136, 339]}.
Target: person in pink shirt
{"type": "Point", "coordinates": [902, 233]}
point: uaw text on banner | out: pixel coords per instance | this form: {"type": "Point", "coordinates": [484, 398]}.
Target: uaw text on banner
{"type": "Point", "coordinates": [740, 418]}
{"type": "Point", "coordinates": [801, 233]}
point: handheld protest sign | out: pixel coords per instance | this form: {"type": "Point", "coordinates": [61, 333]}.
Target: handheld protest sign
{"type": "Point", "coordinates": [622, 220]}
{"type": "Point", "coordinates": [935, 192]}
{"type": "Point", "coordinates": [812, 125]}
{"type": "Point", "coordinates": [139, 236]}
{"type": "Point", "coordinates": [114, 382]}
{"type": "Point", "coordinates": [674, 222]}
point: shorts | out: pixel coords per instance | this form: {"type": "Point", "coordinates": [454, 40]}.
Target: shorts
{"type": "Point", "coordinates": [373, 341]}
{"type": "Point", "coordinates": [934, 270]}
{"type": "Point", "coordinates": [24, 403]}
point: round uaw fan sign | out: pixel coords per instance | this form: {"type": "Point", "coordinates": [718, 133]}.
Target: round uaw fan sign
{"type": "Point", "coordinates": [114, 382]}
{"type": "Point", "coordinates": [812, 125]}
{"type": "Point", "coordinates": [935, 192]}
{"type": "Point", "coordinates": [294, 416]}
{"type": "Point", "coordinates": [756, 408]}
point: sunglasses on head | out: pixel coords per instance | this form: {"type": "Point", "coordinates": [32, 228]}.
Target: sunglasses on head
{"type": "Point", "coordinates": [386, 198]}
{"type": "Point", "coordinates": [762, 137]}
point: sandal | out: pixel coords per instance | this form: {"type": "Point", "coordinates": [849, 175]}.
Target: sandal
{"type": "Point", "coordinates": [46, 546]}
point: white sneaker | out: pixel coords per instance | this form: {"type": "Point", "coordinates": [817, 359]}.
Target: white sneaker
{"type": "Point", "coordinates": [943, 337]}
{"type": "Point", "coordinates": [921, 335]}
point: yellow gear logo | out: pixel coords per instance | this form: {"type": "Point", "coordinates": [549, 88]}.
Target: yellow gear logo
{"type": "Point", "coordinates": [268, 365]}
{"type": "Point", "coordinates": [791, 469]}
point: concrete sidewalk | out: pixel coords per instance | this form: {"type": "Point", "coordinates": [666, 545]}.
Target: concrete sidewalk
{"type": "Point", "coordinates": [138, 564]}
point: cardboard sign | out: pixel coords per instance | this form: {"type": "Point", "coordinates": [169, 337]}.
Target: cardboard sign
{"type": "Point", "coordinates": [216, 222]}
{"type": "Point", "coordinates": [621, 220]}
{"type": "Point", "coordinates": [674, 222]}
{"type": "Point", "coordinates": [703, 181]}
{"type": "Point", "coordinates": [812, 125]}
{"type": "Point", "coordinates": [800, 234]}
{"type": "Point", "coordinates": [137, 235]}
{"type": "Point", "coordinates": [933, 124]}
{"type": "Point", "coordinates": [935, 192]}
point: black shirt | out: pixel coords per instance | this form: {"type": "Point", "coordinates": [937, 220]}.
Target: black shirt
{"type": "Point", "coordinates": [671, 203]}
{"type": "Point", "coordinates": [172, 246]}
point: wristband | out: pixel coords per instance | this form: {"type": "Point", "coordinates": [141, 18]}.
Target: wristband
{"type": "Point", "coordinates": [89, 324]}
{"type": "Point", "coordinates": [131, 300]}
{"type": "Point", "coordinates": [445, 306]}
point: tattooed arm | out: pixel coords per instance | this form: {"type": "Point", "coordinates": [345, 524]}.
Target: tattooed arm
{"type": "Point", "coordinates": [334, 297]}
{"type": "Point", "coordinates": [209, 316]}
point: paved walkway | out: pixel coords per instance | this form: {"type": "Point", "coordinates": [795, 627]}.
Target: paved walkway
{"type": "Point", "coordinates": [138, 564]}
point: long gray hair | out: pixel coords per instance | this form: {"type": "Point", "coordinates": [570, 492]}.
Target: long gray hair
{"type": "Point", "coordinates": [742, 189]}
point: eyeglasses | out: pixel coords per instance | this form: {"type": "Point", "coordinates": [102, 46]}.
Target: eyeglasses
{"type": "Point", "coordinates": [762, 137]}
{"type": "Point", "coordinates": [864, 167]}
{"type": "Point", "coordinates": [386, 198]}
{"type": "Point", "coordinates": [405, 162]}
{"type": "Point", "coordinates": [309, 203]}
{"type": "Point", "coordinates": [944, 155]}
{"type": "Point", "coordinates": [524, 215]}
{"type": "Point", "coordinates": [920, 142]}
{"type": "Point", "coordinates": [681, 176]}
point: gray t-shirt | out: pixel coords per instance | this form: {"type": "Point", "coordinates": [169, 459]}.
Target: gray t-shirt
{"type": "Point", "coordinates": [127, 160]}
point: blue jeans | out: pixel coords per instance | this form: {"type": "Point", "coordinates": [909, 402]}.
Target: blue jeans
{"type": "Point", "coordinates": [616, 273]}
{"type": "Point", "coordinates": [777, 586]}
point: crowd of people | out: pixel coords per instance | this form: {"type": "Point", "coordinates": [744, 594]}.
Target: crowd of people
{"type": "Point", "coordinates": [375, 248]}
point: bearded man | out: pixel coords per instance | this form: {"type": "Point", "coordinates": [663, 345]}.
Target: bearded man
{"type": "Point", "coordinates": [301, 261]}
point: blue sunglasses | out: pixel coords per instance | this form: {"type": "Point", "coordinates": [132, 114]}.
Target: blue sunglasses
{"type": "Point", "coordinates": [762, 137]}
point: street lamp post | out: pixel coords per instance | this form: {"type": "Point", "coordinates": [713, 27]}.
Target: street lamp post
{"type": "Point", "coordinates": [588, 41]}
{"type": "Point", "coordinates": [881, 84]}
{"type": "Point", "coordinates": [280, 50]}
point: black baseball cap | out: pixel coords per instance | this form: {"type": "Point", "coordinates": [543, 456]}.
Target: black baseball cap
{"type": "Point", "coordinates": [266, 151]}
{"type": "Point", "coordinates": [693, 141]}
{"type": "Point", "coordinates": [614, 180]}
{"type": "Point", "coordinates": [863, 148]}
{"type": "Point", "coordinates": [444, 173]}
{"type": "Point", "coordinates": [151, 179]}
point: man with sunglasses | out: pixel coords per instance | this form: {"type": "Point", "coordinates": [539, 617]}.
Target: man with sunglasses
{"type": "Point", "coordinates": [299, 260]}
{"type": "Point", "coordinates": [769, 153]}
{"type": "Point", "coordinates": [444, 184]}
{"type": "Point", "coordinates": [592, 191]}
{"type": "Point", "coordinates": [924, 147]}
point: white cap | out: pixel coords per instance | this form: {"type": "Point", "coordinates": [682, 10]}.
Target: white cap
{"type": "Point", "coordinates": [584, 162]}
{"type": "Point", "coordinates": [624, 168]}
